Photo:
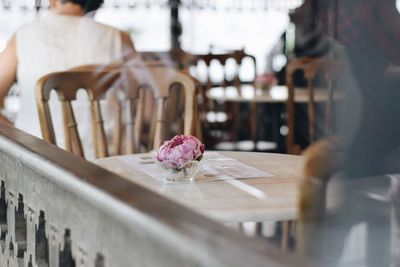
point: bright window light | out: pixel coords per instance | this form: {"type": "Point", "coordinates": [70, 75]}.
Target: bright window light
{"type": "Point", "coordinates": [3, 45]}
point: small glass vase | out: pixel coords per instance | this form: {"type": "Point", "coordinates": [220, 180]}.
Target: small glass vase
{"type": "Point", "coordinates": [185, 174]}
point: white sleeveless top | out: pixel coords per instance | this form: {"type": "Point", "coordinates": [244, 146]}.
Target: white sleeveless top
{"type": "Point", "coordinates": [57, 43]}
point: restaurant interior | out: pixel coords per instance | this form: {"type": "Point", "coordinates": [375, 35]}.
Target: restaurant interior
{"type": "Point", "coordinates": [176, 133]}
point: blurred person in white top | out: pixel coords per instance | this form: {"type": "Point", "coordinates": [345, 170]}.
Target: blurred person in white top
{"type": "Point", "coordinates": [66, 38]}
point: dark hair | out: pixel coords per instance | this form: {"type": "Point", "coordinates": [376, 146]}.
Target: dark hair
{"type": "Point", "coordinates": [87, 5]}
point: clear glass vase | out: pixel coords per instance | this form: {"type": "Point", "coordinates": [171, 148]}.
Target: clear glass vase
{"type": "Point", "coordinates": [179, 175]}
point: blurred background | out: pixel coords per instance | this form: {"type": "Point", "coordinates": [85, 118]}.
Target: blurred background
{"type": "Point", "coordinates": [259, 110]}
{"type": "Point", "coordinates": [216, 25]}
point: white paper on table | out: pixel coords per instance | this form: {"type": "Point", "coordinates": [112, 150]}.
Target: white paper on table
{"type": "Point", "coordinates": [213, 168]}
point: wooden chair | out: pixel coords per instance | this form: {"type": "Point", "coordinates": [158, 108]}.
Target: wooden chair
{"type": "Point", "coordinates": [176, 58]}
{"type": "Point", "coordinates": [163, 81]}
{"type": "Point", "coordinates": [310, 67]}
{"type": "Point", "coordinates": [97, 80]}
{"type": "Point", "coordinates": [231, 75]}
{"type": "Point", "coordinates": [180, 60]}
{"type": "Point", "coordinates": [230, 66]}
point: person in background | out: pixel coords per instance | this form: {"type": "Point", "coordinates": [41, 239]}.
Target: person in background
{"type": "Point", "coordinates": [67, 37]}
{"type": "Point", "coordinates": [371, 37]}
{"type": "Point", "coordinates": [310, 36]}
{"type": "Point", "coordinates": [368, 146]}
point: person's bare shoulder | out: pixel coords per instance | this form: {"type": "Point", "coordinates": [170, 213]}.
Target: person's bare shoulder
{"type": "Point", "coordinates": [8, 68]}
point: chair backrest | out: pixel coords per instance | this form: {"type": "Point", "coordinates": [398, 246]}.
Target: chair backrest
{"type": "Point", "coordinates": [182, 60]}
{"type": "Point", "coordinates": [177, 58]}
{"type": "Point", "coordinates": [163, 81]}
{"type": "Point", "coordinates": [310, 67]}
{"type": "Point", "coordinates": [229, 65]}
{"type": "Point", "coordinates": [129, 119]}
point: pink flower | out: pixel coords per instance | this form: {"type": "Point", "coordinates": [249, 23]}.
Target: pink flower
{"type": "Point", "coordinates": [266, 79]}
{"type": "Point", "coordinates": [179, 151]}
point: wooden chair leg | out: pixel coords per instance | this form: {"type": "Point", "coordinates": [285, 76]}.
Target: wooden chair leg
{"type": "Point", "coordinates": [241, 227]}
{"type": "Point", "coordinates": [292, 229]}
{"type": "Point", "coordinates": [259, 229]}
{"type": "Point", "coordinates": [234, 113]}
{"type": "Point", "coordinates": [285, 236]}
{"type": "Point", "coordinates": [254, 124]}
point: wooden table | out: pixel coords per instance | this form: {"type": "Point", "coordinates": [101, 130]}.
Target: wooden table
{"type": "Point", "coordinates": [251, 94]}
{"type": "Point", "coordinates": [255, 96]}
{"type": "Point", "coordinates": [237, 200]}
